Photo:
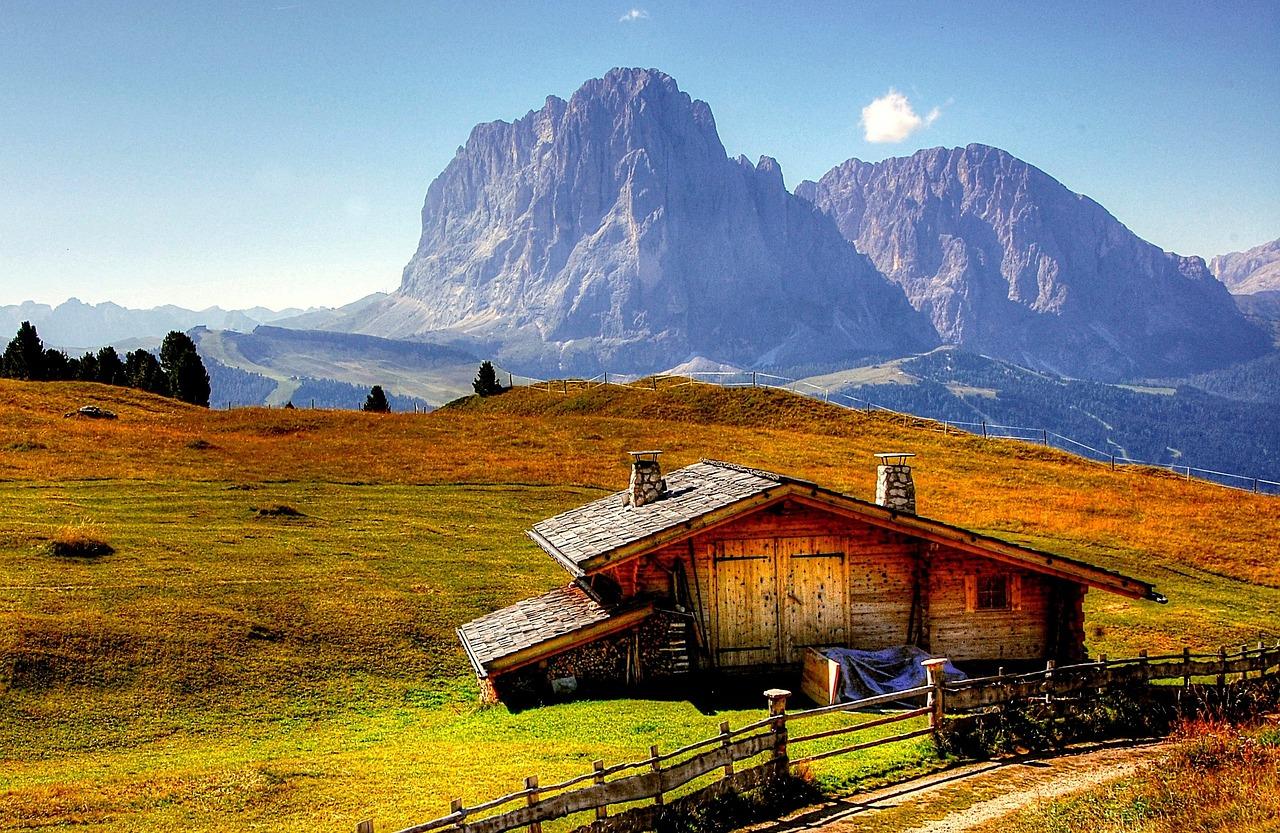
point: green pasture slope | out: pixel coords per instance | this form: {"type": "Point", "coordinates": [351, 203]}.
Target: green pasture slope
{"type": "Point", "coordinates": [224, 670]}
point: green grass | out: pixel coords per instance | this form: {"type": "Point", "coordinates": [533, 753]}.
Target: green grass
{"type": "Point", "coordinates": [287, 671]}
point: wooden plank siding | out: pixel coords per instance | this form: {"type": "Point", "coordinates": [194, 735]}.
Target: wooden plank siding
{"type": "Point", "coordinates": [960, 631]}
{"type": "Point", "coordinates": [769, 584]}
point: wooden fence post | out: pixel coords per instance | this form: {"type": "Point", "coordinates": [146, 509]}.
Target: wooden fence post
{"type": "Point", "coordinates": [1244, 662]}
{"type": "Point", "coordinates": [984, 429]}
{"type": "Point", "coordinates": [725, 741]}
{"type": "Point", "coordinates": [1222, 667]}
{"type": "Point", "coordinates": [657, 767]}
{"type": "Point", "coordinates": [531, 800]}
{"type": "Point", "coordinates": [777, 699]}
{"type": "Point", "coordinates": [1186, 666]}
{"type": "Point", "coordinates": [365, 826]}
{"type": "Point", "coordinates": [1142, 662]}
{"type": "Point", "coordinates": [937, 702]}
{"type": "Point", "coordinates": [602, 811]}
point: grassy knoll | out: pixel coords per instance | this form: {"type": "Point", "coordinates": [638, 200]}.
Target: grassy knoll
{"type": "Point", "coordinates": [225, 667]}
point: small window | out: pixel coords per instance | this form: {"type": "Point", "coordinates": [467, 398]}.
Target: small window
{"type": "Point", "coordinates": [993, 592]}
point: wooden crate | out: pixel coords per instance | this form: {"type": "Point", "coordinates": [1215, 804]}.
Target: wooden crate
{"type": "Point", "coordinates": [820, 678]}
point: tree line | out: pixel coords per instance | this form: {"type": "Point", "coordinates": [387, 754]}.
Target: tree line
{"type": "Point", "coordinates": [178, 372]}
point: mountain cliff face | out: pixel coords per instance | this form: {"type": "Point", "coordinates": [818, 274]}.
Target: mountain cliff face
{"type": "Point", "coordinates": [1244, 273]}
{"type": "Point", "coordinates": [1008, 262]}
{"type": "Point", "coordinates": [613, 230]}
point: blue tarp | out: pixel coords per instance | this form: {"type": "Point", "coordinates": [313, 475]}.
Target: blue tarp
{"type": "Point", "coordinates": [868, 673]}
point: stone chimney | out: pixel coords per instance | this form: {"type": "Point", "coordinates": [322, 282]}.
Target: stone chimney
{"type": "Point", "coordinates": [646, 484]}
{"type": "Point", "coordinates": [894, 487]}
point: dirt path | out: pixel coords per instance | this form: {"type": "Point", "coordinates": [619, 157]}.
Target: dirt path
{"type": "Point", "coordinates": [967, 797]}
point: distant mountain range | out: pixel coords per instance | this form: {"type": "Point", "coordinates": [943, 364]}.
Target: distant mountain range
{"type": "Point", "coordinates": [76, 325]}
{"type": "Point", "coordinates": [612, 231]}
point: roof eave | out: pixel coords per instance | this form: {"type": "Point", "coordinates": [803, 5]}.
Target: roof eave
{"type": "Point", "coordinates": [1078, 571]}
{"type": "Point", "coordinates": [551, 550]}
{"type": "Point", "coordinates": [471, 655]}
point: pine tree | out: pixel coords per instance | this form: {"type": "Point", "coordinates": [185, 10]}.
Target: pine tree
{"type": "Point", "coordinates": [87, 371]}
{"type": "Point", "coordinates": [142, 371]}
{"type": "Point", "coordinates": [57, 367]}
{"type": "Point", "coordinates": [376, 402]}
{"type": "Point", "coordinates": [24, 357]}
{"type": "Point", "coordinates": [486, 381]}
{"type": "Point", "coordinates": [110, 370]}
{"type": "Point", "coordinates": [188, 379]}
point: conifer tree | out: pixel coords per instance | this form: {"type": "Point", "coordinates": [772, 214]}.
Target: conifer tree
{"type": "Point", "coordinates": [56, 366]}
{"type": "Point", "coordinates": [188, 379]}
{"type": "Point", "coordinates": [376, 401]}
{"type": "Point", "coordinates": [486, 381]}
{"type": "Point", "coordinates": [142, 371]}
{"type": "Point", "coordinates": [24, 356]}
{"type": "Point", "coordinates": [110, 370]}
{"type": "Point", "coordinates": [87, 369]}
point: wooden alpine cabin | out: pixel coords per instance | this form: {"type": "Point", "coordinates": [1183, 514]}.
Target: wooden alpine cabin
{"type": "Point", "coordinates": [721, 566]}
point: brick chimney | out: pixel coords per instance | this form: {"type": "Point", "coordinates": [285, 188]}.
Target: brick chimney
{"type": "Point", "coordinates": [894, 487]}
{"type": "Point", "coordinates": [646, 484]}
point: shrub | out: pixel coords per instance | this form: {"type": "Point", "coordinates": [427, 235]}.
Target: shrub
{"type": "Point", "coordinates": [77, 542]}
{"type": "Point", "coordinates": [279, 510]}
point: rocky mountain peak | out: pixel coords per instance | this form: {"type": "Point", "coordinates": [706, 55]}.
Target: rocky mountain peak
{"type": "Point", "coordinates": [614, 229]}
{"type": "Point", "coordinates": [1007, 261]}
{"type": "Point", "coordinates": [1251, 271]}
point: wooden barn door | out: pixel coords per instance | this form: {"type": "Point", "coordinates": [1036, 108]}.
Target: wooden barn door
{"type": "Point", "coordinates": [813, 594]}
{"type": "Point", "coordinates": [746, 603]}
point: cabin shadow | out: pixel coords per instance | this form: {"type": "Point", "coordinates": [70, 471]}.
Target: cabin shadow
{"type": "Point", "coordinates": [710, 692]}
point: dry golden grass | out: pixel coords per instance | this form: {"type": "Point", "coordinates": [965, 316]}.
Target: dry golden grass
{"type": "Point", "coordinates": [1216, 778]}
{"type": "Point", "coordinates": [1020, 491]}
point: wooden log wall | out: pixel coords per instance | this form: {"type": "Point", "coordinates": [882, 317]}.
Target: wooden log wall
{"type": "Point", "coordinates": [760, 594]}
{"type": "Point", "coordinates": [961, 631]}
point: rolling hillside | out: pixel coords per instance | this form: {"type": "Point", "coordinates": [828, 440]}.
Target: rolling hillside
{"type": "Point", "coordinates": [1224, 420]}
{"type": "Point", "coordinates": [291, 358]}
{"type": "Point", "coordinates": [232, 666]}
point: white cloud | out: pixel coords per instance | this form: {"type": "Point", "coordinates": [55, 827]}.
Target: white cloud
{"type": "Point", "coordinates": [890, 118]}
{"type": "Point", "coordinates": [633, 15]}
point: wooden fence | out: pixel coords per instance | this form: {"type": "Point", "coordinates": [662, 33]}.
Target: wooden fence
{"type": "Point", "coordinates": [767, 745]}
{"type": "Point", "coordinates": [1069, 679]}
{"type": "Point", "coordinates": [764, 745]}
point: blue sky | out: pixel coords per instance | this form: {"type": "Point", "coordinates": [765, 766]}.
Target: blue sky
{"type": "Point", "coordinates": [278, 152]}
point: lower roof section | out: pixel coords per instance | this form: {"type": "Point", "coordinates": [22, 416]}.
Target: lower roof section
{"type": "Point", "coordinates": [540, 627]}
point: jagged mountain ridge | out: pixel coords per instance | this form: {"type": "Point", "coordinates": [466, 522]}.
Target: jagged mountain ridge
{"type": "Point", "coordinates": [1008, 262]}
{"type": "Point", "coordinates": [1251, 271]}
{"type": "Point", "coordinates": [613, 230]}
{"type": "Point", "coordinates": [76, 325]}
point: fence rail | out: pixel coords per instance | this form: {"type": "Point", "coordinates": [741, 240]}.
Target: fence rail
{"type": "Point", "coordinates": [988, 430]}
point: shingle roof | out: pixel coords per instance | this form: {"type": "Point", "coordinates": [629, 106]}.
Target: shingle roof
{"type": "Point", "coordinates": [528, 623]}
{"type": "Point", "coordinates": [603, 525]}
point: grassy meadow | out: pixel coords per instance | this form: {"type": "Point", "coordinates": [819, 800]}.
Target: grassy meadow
{"type": "Point", "coordinates": [231, 666]}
